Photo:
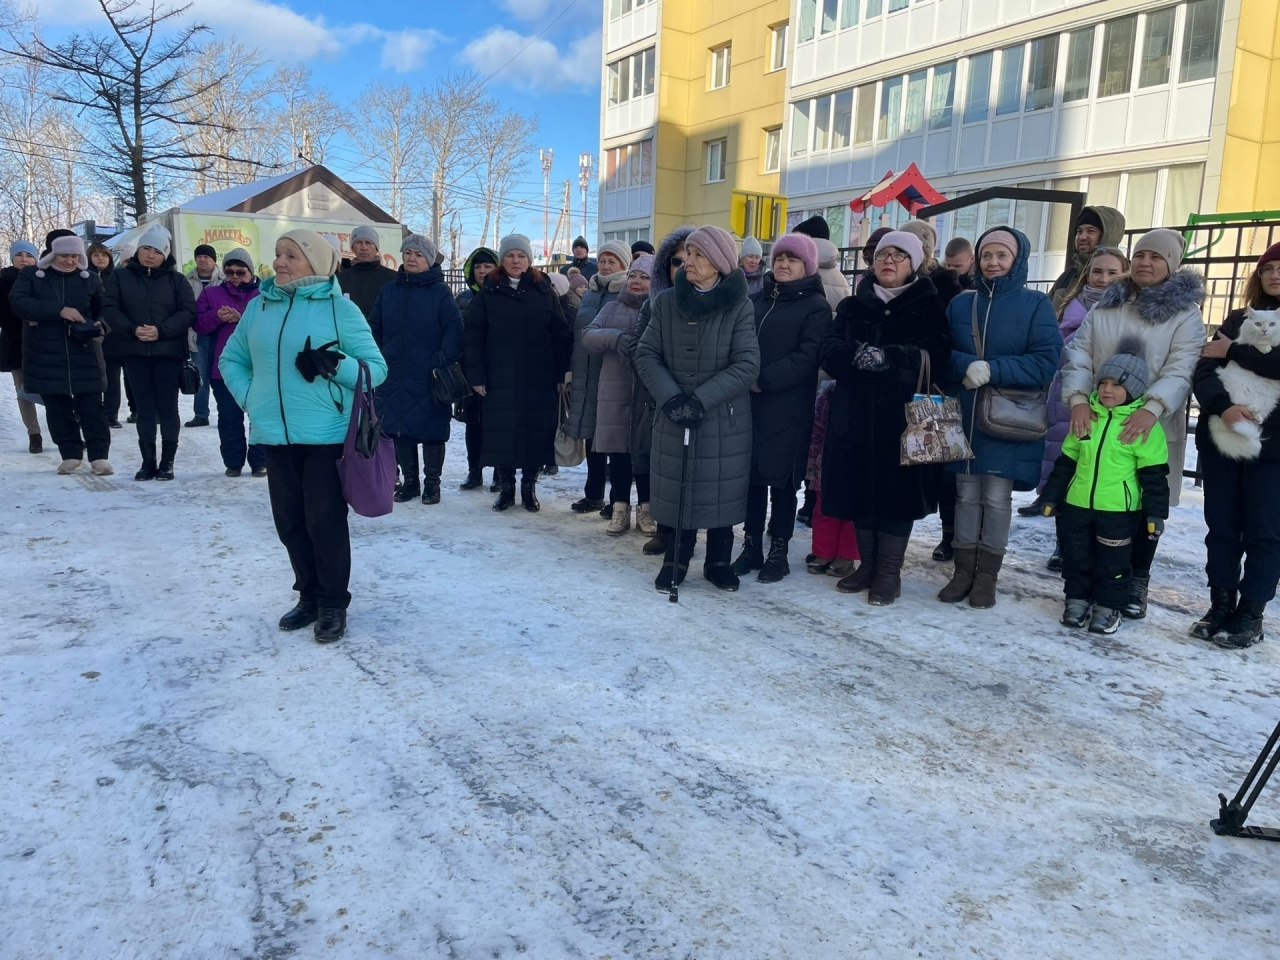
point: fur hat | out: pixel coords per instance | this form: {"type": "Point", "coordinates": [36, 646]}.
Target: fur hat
{"type": "Point", "coordinates": [559, 283]}
{"type": "Point", "coordinates": [828, 254]}
{"type": "Point", "coordinates": [1127, 369]}
{"type": "Point", "coordinates": [1271, 255]}
{"type": "Point", "coordinates": [799, 246]}
{"type": "Point", "coordinates": [238, 255]}
{"type": "Point", "coordinates": [641, 247]}
{"type": "Point", "coordinates": [580, 242]}
{"type": "Point", "coordinates": [717, 245]}
{"type": "Point", "coordinates": [157, 237]}
{"type": "Point", "coordinates": [928, 236]}
{"type": "Point", "coordinates": [424, 245]}
{"type": "Point", "coordinates": [1001, 238]}
{"type": "Point", "coordinates": [642, 264]}
{"type": "Point", "coordinates": [618, 249]}
{"type": "Point", "coordinates": [750, 248]}
{"type": "Point", "coordinates": [905, 241]}
{"type": "Point", "coordinates": [513, 242]}
{"type": "Point", "coordinates": [366, 232]}
{"type": "Point", "coordinates": [1166, 244]}
{"type": "Point", "coordinates": [205, 250]}
{"type": "Point", "coordinates": [23, 246]}
{"type": "Point", "coordinates": [320, 253]}
{"type": "Point", "coordinates": [815, 227]}
{"type": "Point", "coordinates": [65, 245]}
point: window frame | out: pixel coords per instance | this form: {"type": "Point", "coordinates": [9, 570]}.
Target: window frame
{"type": "Point", "coordinates": [773, 134]}
{"type": "Point", "coordinates": [987, 58]}
{"type": "Point", "coordinates": [1104, 91]}
{"type": "Point", "coordinates": [723, 144]}
{"type": "Point", "coordinates": [1089, 36]}
{"type": "Point", "coordinates": [1170, 14]}
{"type": "Point", "coordinates": [713, 74]}
{"type": "Point", "coordinates": [1185, 43]}
{"type": "Point", "coordinates": [779, 43]}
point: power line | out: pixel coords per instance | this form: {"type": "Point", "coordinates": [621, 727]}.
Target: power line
{"type": "Point", "coordinates": [536, 36]}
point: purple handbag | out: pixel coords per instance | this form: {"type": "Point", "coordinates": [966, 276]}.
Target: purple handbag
{"type": "Point", "coordinates": [367, 467]}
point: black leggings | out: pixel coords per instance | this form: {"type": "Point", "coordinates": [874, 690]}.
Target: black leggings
{"type": "Point", "coordinates": [155, 393]}
{"type": "Point", "coordinates": [782, 521]}
{"type": "Point", "coordinates": [621, 476]}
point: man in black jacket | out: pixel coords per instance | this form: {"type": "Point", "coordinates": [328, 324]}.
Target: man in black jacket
{"type": "Point", "coordinates": [365, 278]}
{"type": "Point", "coordinates": [581, 260]}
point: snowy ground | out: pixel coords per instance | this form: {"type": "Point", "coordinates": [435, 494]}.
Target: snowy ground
{"type": "Point", "coordinates": [522, 749]}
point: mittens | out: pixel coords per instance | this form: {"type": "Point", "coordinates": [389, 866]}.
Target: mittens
{"type": "Point", "coordinates": [870, 358]}
{"type": "Point", "coordinates": [684, 411]}
{"type": "Point", "coordinates": [977, 374]}
{"type": "Point", "coordinates": [1155, 527]}
{"type": "Point", "coordinates": [320, 361]}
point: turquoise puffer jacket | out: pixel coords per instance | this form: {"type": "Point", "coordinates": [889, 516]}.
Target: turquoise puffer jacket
{"type": "Point", "coordinates": [258, 365]}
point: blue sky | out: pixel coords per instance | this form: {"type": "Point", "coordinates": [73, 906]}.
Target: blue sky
{"type": "Point", "coordinates": [543, 57]}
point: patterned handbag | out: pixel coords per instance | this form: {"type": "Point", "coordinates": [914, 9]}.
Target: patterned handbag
{"type": "Point", "coordinates": [935, 425]}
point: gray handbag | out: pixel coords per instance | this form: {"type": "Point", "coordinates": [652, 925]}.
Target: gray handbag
{"type": "Point", "coordinates": [1008, 413]}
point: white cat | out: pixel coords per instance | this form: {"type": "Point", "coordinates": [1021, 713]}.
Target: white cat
{"type": "Point", "coordinates": [1243, 441]}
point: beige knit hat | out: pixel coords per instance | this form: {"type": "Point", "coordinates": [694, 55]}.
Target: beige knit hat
{"type": "Point", "coordinates": [320, 253]}
{"type": "Point", "coordinates": [1164, 243]}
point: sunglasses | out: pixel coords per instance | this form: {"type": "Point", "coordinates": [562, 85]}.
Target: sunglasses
{"type": "Point", "coordinates": [677, 261]}
{"type": "Point", "coordinates": [237, 272]}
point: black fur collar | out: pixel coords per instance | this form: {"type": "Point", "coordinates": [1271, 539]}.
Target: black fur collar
{"type": "Point", "coordinates": [724, 296]}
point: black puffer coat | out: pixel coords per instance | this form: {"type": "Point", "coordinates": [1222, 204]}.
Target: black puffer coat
{"type": "Point", "coordinates": [10, 324]}
{"type": "Point", "coordinates": [362, 282]}
{"type": "Point", "coordinates": [137, 296]}
{"type": "Point", "coordinates": [704, 345]}
{"type": "Point", "coordinates": [517, 344]}
{"type": "Point", "coordinates": [418, 327]}
{"type": "Point", "coordinates": [861, 478]}
{"type": "Point", "coordinates": [53, 363]}
{"type": "Point", "coordinates": [791, 319]}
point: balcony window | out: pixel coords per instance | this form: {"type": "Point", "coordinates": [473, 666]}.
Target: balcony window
{"type": "Point", "coordinates": [778, 47]}
{"type": "Point", "coordinates": [773, 150]}
{"type": "Point", "coordinates": [1157, 48]}
{"type": "Point", "coordinates": [829, 11]}
{"type": "Point", "coordinates": [720, 57]}
{"type": "Point", "coordinates": [800, 128]}
{"type": "Point", "coordinates": [849, 13]}
{"type": "Point", "coordinates": [890, 108]}
{"type": "Point", "coordinates": [942, 96]}
{"type": "Point", "coordinates": [977, 99]}
{"type": "Point", "coordinates": [914, 120]}
{"type": "Point", "coordinates": [874, 8]}
{"type": "Point", "coordinates": [1009, 94]}
{"type": "Point", "coordinates": [1041, 73]}
{"type": "Point", "coordinates": [618, 8]}
{"type": "Point", "coordinates": [822, 124]}
{"type": "Point", "coordinates": [808, 16]}
{"type": "Point", "coordinates": [842, 121]}
{"type": "Point", "coordinates": [716, 151]}
{"type": "Point", "coordinates": [1200, 36]}
{"type": "Point", "coordinates": [1118, 40]}
{"type": "Point", "coordinates": [1079, 65]}
{"type": "Point", "coordinates": [896, 5]}
{"type": "Point", "coordinates": [631, 77]}
{"type": "Point", "coordinates": [864, 121]}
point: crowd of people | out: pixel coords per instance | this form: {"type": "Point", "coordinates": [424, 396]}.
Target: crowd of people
{"type": "Point", "coordinates": [712, 378]}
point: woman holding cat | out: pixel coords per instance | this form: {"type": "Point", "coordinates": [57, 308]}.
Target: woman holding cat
{"type": "Point", "coordinates": [1240, 503]}
{"type": "Point", "coordinates": [1158, 305]}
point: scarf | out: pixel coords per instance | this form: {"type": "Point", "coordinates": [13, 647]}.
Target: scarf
{"type": "Point", "coordinates": [1089, 296]}
{"type": "Point", "coordinates": [888, 293]}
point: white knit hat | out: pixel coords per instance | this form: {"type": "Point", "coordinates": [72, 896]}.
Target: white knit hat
{"type": "Point", "coordinates": [156, 237]}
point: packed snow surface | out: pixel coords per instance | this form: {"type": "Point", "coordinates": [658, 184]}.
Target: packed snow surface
{"type": "Point", "coordinates": [521, 749]}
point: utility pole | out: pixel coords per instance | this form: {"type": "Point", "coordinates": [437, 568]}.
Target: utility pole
{"type": "Point", "coordinates": [584, 180]}
{"type": "Point", "coordinates": [545, 156]}
{"type": "Point", "coordinates": [437, 195]}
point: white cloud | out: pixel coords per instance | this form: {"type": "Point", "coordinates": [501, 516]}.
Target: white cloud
{"type": "Point", "coordinates": [533, 62]}
{"type": "Point", "coordinates": [406, 50]}
{"type": "Point", "coordinates": [535, 11]}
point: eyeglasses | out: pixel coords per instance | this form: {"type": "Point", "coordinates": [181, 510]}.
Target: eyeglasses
{"type": "Point", "coordinates": [1269, 270]}
{"type": "Point", "coordinates": [890, 256]}
{"type": "Point", "coordinates": [677, 261]}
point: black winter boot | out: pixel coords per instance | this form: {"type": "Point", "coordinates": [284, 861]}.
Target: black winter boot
{"type": "Point", "coordinates": [164, 470]}
{"type": "Point", "coordinates": [804, 516]}
{"type": "Point", "coordinates": [886, 586]}
{"type": "Point", "coordinates": [1243, 628]}
{"type": "Point", "coordinates": [474, 481]}
{"type": "Point", "coordinates": [506, 483]}
{"type": "Point", "coordinates": [331, 624]}
{"type": "Point", "coordinates": [657, 543]}
{"type": "Point", "coordinates": [528, 493]}
{"type": "Point", "coordinates": [943, 551]}
{"type": "Point", "coordinates": [302, 615]}
{"type": "Point", "coordinates": [717, 569]}
{"type": "Point", "coordinates": [1139, 584]}
{"type": "Point", "coordinates": [775, 564]}
{"type": "Point", "coordinates": [1222, 603]}
{"type": "Point", "coordinates": [148, 450]}
{"type": "Point", "coordinates": [407, 491]}
{"type": "Point", "coordinates": [861, 578]}
{"type": "Point", "coordinates": [751, 557]}
{"type": "Point", "coordinates": [432, 467]}
{"type": "Point", "coordinates": [667, 575]}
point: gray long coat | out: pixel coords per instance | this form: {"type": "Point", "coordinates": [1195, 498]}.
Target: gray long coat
{"type": "Point", "coordinates": [584, 368]}
{"type": "Point", "coordinates": [702, 344]}
{"type": "Point", "coordinates": [609, 337]}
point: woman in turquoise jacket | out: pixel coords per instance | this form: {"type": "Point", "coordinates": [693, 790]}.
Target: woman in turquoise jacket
{"type": "Point", "coordinates": [291, 365]}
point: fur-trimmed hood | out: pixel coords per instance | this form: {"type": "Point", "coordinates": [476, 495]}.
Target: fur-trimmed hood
{"type": "Point", "coordinates": [1161, 303]}
{"type": "Point", "coordinates": [660, 279]}
{"type": "Point", "coordinates": [724, 296]}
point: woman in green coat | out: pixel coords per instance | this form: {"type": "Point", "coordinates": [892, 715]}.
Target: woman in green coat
{"type": "Point", "coordinates": [292, 366]}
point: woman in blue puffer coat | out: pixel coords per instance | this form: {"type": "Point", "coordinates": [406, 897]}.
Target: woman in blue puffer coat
{"type": "Point", "coordinates": [418, 327]}
{"type": "Point", "coordinates": [1017, 345]}
{"type": "Point", "coordinates": [292, 365]}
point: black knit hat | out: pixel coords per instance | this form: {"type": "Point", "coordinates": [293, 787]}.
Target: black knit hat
{"type": "Point", "coordinates": [1089, 218]}
{"type": "Point", "coordinates": [483, 255]}
{"type": "Point", "coordinates": [580, 242]}
{"type": "Point", "coordinates": [641, 247]}
{"type": "Point", "coordinates": [204, 250]}
{"type": "Point", "coordinates": [814, 227]}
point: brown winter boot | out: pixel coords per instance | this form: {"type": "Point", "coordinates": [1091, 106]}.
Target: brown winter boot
{"type": "Point", "coordinates": [983, 594]}
{"type": "Point", "coordinates": [962, 580]}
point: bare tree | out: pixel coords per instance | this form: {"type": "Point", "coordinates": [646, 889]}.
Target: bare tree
{"type": "Point", "coordinates": [306, 119]}
{"type": "Point", "coordinates": [504, 145]}
{"type": "Point", "coordinates": [226, 90]}
{"type": "Point", "coordinates": [394, 143]}
{"type": "Point", "coordinates": [453, 108]}
{"type": "Point", "coordinates": [130, 84]}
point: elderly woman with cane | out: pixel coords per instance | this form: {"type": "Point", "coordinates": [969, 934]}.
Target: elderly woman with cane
{"type": "Point", "coordinates": [698, 357]}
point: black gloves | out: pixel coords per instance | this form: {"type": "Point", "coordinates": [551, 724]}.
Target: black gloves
{"type": "Point", "coordinates": [315, 362]}
{"type": "Point", "coordinates": [684, 411]}
{"type": "Point", "coordinates": [1155, 527]}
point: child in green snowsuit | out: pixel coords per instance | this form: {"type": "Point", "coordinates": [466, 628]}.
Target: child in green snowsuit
{"type": "Point", "coordinates": [1105, 493]}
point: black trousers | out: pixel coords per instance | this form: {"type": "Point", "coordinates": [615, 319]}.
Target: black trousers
{"type": "Point", "coordinates": [890, 528]}
{"type": "Point", "coordinates": [621, 476]}
{"type": "Point", "coordinates": [474, 433]}
{"type": "Point", "coordinates": [1097, 553]}
{"type": "Point", "coordinates": [232, 443]}
{"type": "Point", "coordinates": [719, 544]}
{"type": "Point", "coordinates": [597, 473]}
{"type": "Point", "coordinates": [62, 412]}
{"type": "Point", "coordinates": [947, 501]}
{"type": "Point", "coordinates": [407, 459]}
{"type": "Point", "coordinates": [155, 393]}
{"type": "Point", "coordinates": [115, 372]}
{"type": "Point", "coordinates": [1242, 510]}
{"type": "Point", "coordinates": [782, 520]}
{"type": "Point", "coordinates": [311, 519]}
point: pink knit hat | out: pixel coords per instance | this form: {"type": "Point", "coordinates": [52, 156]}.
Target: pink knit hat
{"type": "Point", "coordinates": [642, 264]}
{"type": "Point", "coordinates": [718, 246]}
{"type": "Point", "coordinates": [799, 246]}
{"type": "Point", "coordinates": [1001, 238]}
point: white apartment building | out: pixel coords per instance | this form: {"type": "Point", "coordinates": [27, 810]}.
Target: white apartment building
{"type": "Point", "coordinates": [1125, 100]}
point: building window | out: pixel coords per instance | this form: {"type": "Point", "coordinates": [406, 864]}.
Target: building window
{"type": "Point", "coordinates": [630, 165]}
{"type": "Point", "coordinates": [849, 13]}
{"type": "Point", "coordinates": [1079, 65]}
{"type": "Point", "coordinates": [1118, 39]}
{"type": "Point", "coordinates": [631, 77]}
{"type": "Point", "coordinates": [828, 23]}
{"type": "Point", "coordinates": [1157, 48]}
{"type": "Point", "coordinates": [628, 236]}
{"type": "Point", "coordinates": [716, 151]}
{"type": "Point", "coordinates": [778, 47]}
{"type": "Point", "coordinates": [977, 99]}
{"type": "Point", "coordinates": [808, 14]}
{"type": "Point", "coordinates": [916, 83]}
{"type": "Point", "coordinates": [822, 124]}
{"type": "Point", "coordinates": [890, 108]}
{"type": "Point", "coordinates": [618, 8]}
{"type": "Point", "coordinates": [800, 128]}
{"type": "Point", "coordinates": [1042, 70]}
{"type": "Point", "coordinates": [773, 150]}
{"type": "Point", "coordinates": [1200, 36]}
{"type": "Point", "coordinates": [896, 5]}
{"type": "Point", "coordinates": [864, 121]}
{"type": "Point", "coordinates": [842, 120]}
{"type": "Point", "coordinates": [942, 96]}
{"type": "Point", "coordinates": [874, 8]}
{"type": "Point", "coordinates": [720, 66]}
{"type": "Point", "coordinates": [1009, 94]}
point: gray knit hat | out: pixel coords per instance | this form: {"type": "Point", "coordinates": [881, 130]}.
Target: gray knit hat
{"type": "Point", "coordinates": [238, 255]}
{"type": "Point", "coordinates": [717, 245]}
{"type": "Point", "coordinates": [1164, 243]}
{"type": "Point", "coordinates": [424, 245]}
{"type": "Point", "coordinates": [1128, 370]}
{"type": "Point", "coordinates": [750, 248]}
{"type": "Point", "coordinates": [366, 232]}
{"type": "Point", "coordinates": [515, 241]}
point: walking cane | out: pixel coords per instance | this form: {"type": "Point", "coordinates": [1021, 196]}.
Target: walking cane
{"type": "Point", "coordinates": [674, 595]}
